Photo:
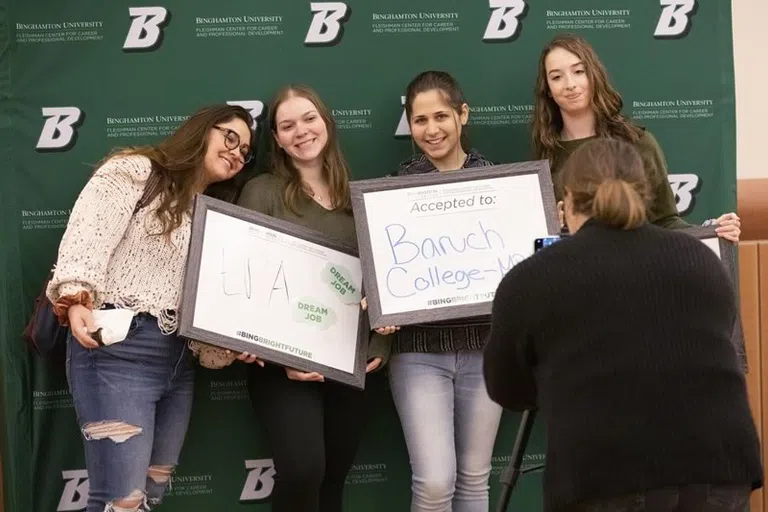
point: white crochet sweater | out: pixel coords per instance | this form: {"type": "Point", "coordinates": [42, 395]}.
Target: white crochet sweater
{"type": "Point", "coordinates": [108, 251]}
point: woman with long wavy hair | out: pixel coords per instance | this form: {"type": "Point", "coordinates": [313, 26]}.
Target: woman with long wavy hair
{"type": "Point", "coordinates": [576, 103]}
{"type": "Point", "coordinates": [125, 247]}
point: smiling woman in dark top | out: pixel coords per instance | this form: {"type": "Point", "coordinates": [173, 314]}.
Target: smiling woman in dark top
{"type": "Point", "coordinates": [621, 337]}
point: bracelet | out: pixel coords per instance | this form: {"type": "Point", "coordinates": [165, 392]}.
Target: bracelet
{"type": "Point", "coordinates": [61, 306]}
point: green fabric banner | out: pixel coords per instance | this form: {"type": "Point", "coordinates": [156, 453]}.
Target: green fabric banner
{"type": "Point", "coordinates": [78, 78]}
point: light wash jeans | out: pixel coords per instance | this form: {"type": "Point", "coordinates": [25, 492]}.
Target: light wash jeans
{"type": "Point", "coordinates": [450, 427]}
{"type": "Point", "coordinates": [145, 384]}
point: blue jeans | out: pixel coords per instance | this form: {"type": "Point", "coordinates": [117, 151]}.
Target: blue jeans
{"type": "Point", "coordinates": [133, 401]}
{"type": "Point", "coordinates": [450, 427]}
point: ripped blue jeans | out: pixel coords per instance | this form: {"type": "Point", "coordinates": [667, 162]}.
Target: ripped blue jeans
{"type": "Point", "coordinates": [133, 401]}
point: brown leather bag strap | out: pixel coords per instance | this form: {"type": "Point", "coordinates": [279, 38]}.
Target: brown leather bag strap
{"type": "Point", "coordinates": [151, 189]}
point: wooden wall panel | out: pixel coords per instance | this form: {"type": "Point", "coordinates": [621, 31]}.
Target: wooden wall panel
{"type": "Point", "coordinates": [753, 208]}
{"type": "Point", "coordinates": [749, 292]}
{"type": "Point", "coordinates": [762, 285]}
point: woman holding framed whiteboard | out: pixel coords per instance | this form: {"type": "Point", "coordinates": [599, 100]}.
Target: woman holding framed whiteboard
{"type": "Point", "coordinates": [118, 286]}
{"type": "Point", "coordinates": [436, 370]}
{"type": "Point", "coordinates": [313, 426]}
{"type": "Point", "coordinates": [576, 103]}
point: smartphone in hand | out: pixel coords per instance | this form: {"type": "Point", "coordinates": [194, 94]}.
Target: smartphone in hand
{"type": "Point", "coordinates": [546, 241]}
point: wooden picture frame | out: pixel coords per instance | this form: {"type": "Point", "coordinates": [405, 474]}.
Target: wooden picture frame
{"type": "Point", "coordinates": [274, 328]}
{"type": "Point", "coordinates": [537, 217]}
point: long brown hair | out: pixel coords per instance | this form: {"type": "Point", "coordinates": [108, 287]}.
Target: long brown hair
{"type": "Point", "coordinates": [177, 164]}
{"type": "Point", "coordinates": [606, 101]}
{"type": "Point", "coordinates": [335, 168]}
{"type": "Point", "coordinates": [606, 180]}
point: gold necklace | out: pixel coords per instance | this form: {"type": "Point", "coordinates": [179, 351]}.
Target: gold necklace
{"type": "Point", "coordinates": [319, 199]}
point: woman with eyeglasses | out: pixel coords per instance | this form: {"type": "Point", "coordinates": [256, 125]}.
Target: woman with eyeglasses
{"type": "Point", "coordinates": [125, 247]}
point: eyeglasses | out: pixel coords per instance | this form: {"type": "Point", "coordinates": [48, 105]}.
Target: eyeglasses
{"type": "Point", "coordinates": [232, 141]}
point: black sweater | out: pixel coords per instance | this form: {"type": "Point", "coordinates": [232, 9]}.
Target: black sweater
{"type": "Point", "coordinates": [622, 339]}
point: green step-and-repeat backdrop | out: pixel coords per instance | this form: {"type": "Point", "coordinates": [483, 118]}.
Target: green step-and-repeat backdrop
{"type": "Point", "coordinates": [78, 78]}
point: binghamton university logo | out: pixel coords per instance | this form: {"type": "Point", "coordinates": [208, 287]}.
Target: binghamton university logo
{"type": "Point", "coordinates": [260, 480]}
{"type": "Point", "coordinates": [59, 132]}
{"type": "Point", "coordinates": [685, 187]}
{"type": "Point", "coordinates": [254, 107]}
{"type": "Point", "coordinates": [75, 494]}
{"type": "Point", "coordinates": [504, 23]}
{"type": "Point", "coordinates": [675, 19]}
{"type": "Point", "coordinates": [146, 30]}
{"type": "Point", "coordinates": [402, 130]}
{"type": "Point", "coordinates": [327, 26]}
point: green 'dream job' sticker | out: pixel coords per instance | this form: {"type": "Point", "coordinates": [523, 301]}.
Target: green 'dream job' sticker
{"type": "Point", "coordinates": [309, 311]}
{"type": "Point", "coordinates": [340, 281]}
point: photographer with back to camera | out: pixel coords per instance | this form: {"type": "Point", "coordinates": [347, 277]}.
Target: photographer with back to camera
{"type": "Point", "coordinates": [620, 336]}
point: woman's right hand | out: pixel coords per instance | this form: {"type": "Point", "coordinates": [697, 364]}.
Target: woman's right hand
{"type": "Point", "coordinates": [248, 358]}
{"type": "Point", "coordinates": [561, 213]}
{"type": "Point", "coordinates": [81, 324]}
{"type": "Point", "coordinates": [294, 374]}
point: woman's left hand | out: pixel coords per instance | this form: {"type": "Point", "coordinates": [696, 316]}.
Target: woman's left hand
{"type": "Point", "coordinates": [373, 364]}
{"type": "Point", "coordinates": [729, 227]}
{"type": "Point", "coordinates": [381, 330]}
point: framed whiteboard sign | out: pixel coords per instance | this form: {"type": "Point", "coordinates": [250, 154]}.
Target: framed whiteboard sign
{"type": "Point", "coordinates": [726, 251]}
{"type": "Point", "coordinates": [435, 246]}
{"type": "Point", "coordinates": [272, 288]}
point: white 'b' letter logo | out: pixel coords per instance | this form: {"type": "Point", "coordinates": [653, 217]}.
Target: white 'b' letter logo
{"type": "Point", "coordinates": [254, 107]}
{"type": "Point", "coordinates": [146, 28]}
{"type": "Point", "coordinates": [260, 481]}
{"type": "Point", "coordinates": [326, 27]}
{"type": "Point", "coordinates": [59, 129]}
{"type": "Point", "coordinates": [685, 187]}
{"type": "Point", "coordinates": [504, 24]}
{"type": "Point", "coordinates": [675, 19]}
{"type": "Point", "coordinates": [403, 129]}
{"type": "Point", "coordinates": [75, 494]}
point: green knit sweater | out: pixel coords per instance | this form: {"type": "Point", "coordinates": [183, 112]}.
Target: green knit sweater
{"type": "Point", "coordinates": [264, 194]}
{"type": "Point", "coordinates": [662, 211]}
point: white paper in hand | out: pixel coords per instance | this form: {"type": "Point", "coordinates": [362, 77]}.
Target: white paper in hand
{"type": "Point", "coordinates": [114, 324]}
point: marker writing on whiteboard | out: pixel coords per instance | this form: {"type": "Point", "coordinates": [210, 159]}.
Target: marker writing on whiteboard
{"type": "Point", "coordinates": [405, 251]}
{"type": "Point", "coordinates": [402, 283]}
{"type": "Point", "coordinates": [232, 286]}
{"type": "Point", "coordinates": [247, 283]}
{"type": "Point", "coordinates": [275, 284]}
